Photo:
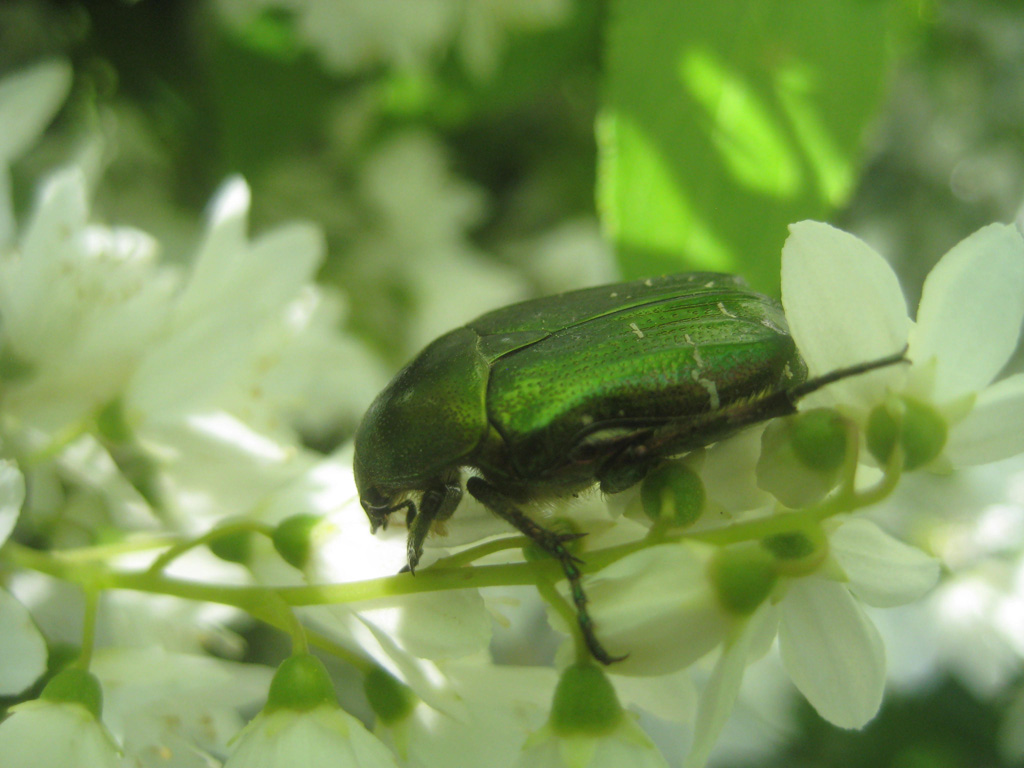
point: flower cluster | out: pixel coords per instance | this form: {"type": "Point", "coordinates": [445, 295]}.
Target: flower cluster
{"type": "Point", "coordinates": [358, 34]}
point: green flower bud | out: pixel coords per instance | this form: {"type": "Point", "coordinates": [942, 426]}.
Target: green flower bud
{"type": "Point", "coordinates": [301, 683]}
{"type": "Point", "coordinates": [673, 492]}
{"type": "Point", "coordinates": [585, 702]}
{"type": "Point", "coordinates": [797, 553]}
{"type": "Point", "coordinates": [819, 439]}
{"type": "Point", "coordinates": [391, 699]}
{"type": "Point", "coordinates": [75, 686]}
{"type": "Point", "coordinates": [743, 576]}
{"type": "Point", "coordinates": [233, 547]}
{"type": "Point", "coordinates": [293, 538]}
{"type": "Point", "coordinates": [919, 428]}
{"type": "Point", "coordinates": [802, 456]}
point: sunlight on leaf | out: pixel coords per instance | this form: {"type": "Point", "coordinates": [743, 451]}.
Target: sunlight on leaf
{"type": "Point", "coordinates": [722, 123]}
{"type": "Point", "coordinates": [744, 131]}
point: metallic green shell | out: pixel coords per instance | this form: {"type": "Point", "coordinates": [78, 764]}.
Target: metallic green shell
{"type": "Point", "coordinates": [641, 352]}
{"type": "Point", "coordinates": [513, 391]}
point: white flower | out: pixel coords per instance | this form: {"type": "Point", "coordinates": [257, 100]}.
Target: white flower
{"type": "Point", "coordinates": [236, 293]}
{"type": "Point", "coordinates": [658, 607]}
{"type": "Point", "coordinates": [12, 496]}
{"type": "Point", "coordinates": [588, 728]}
{"type": "Point", "coordinates": [80, 304]}
{"type": "Point", "coordinates": [323, 737]}
{"type": "Point", "coordinates": [302, 725]}
{"type": "Point", "coordinates": [829, 646]}
{"type": "Point", "coordinates": [844, 306]}
{"type": "Point", "coordinates": [22, 646]}
{"type": "Point", "coordinates": [42, 734]}
{"type": "Point", "coordinates": [972, 625]}
{"type": "Point", "coordinates": [174, 706]}
{"type": "Point", "coordinates": [422, 244]}
{"type": "Point", "coordinates": [627, 744]}
{"type": "Point", "coordinates": [198, 397]}
{"type": "Point", "coordinates": [483, 721]}
{"type": "Point", "coordinates": [212, 367]}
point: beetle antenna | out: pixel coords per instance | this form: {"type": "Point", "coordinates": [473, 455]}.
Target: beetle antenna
{"type": "Point", "coordinates": [813, 385]}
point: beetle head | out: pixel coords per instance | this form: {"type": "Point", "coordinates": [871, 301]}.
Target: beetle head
{"type": "Point", "coordinates": [378, 502]}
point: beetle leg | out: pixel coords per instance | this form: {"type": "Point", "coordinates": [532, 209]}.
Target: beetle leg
{"type": "Point", "coordinates": [554, 545]}
{"type": "Point", "coordinates": [436, 504]}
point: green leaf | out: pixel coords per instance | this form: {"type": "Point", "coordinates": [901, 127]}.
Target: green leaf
{"type": "Point", "coordinates": [723, 122]}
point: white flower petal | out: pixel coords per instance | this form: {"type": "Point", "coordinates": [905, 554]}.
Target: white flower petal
{"type": "Point", "coordinates": [224, 246]}
{"type": "Point", "coordinates": [971, 310]}
{"type": "Point", "coordinates": [22, 648]}
{"type": "Point", "coordinates": [994, 429]}
{"type": "Point", "coordinates": [844, 306]}
{"type": "Point", "coordinates": [832, 651]}
{"type": "Point", "coordinates": [624, 745]}
{"type": "Point", "coordinates": [425, 677]}
{"type": "Point", "coordinates": [26, 284]}
{"type": "Point", "coordinates": [12, 496]}
{"type": "Point", "coordinates": [435, 626]}
{"type": "Point", "coordinates": [657, 605]}
{"type": "Point", "coordinates": [324, 737]}
{"type": "Point", "coordinates": [203, 713]}
{"type": "Point", "coordinates": [28, 101]}
{"type": "Point", "coordinates": [278, 265]}
{"type": "Point", "coordinates": [502, 705]}
{"type": "Point", "coordinates": [671, 697]}
{"type": "Point", "coordinates": [43, 734]}
{"type": "Point", "coordinates": [728, 472]}
{"type": "Point", "coordinates": [883, 571]}
{"type": "Point", "coordinates": [722, 689]}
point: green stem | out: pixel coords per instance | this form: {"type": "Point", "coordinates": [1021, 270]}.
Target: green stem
{"type": "Point", "coordinates": [550, 595]}
{"type": "Point", "coordinates": [325, 643]}
{"type": "Point", "coordinates": [290, 623]}
{"type": "Point", "coordinates": [92, 598]}
{"type": "Point", "coordinates": [60, 441]}
{"type": "Point", "coordinates": [437, 578]}
{"type": "Point", "coordinates": [273, 605]}
{"type": "Point", "coordinates": [471, 554]}
{"type": "Point", "coordinates": [250, 598]}
{"type": "Point", "coordinates": [228, 529]}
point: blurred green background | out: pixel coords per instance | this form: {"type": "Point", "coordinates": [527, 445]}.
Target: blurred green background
{"type": "Point", "coordinates": [461, 154]}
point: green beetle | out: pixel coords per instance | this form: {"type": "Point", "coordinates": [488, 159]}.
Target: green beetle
{"type": "Point", "coordinates": [548, 397]}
